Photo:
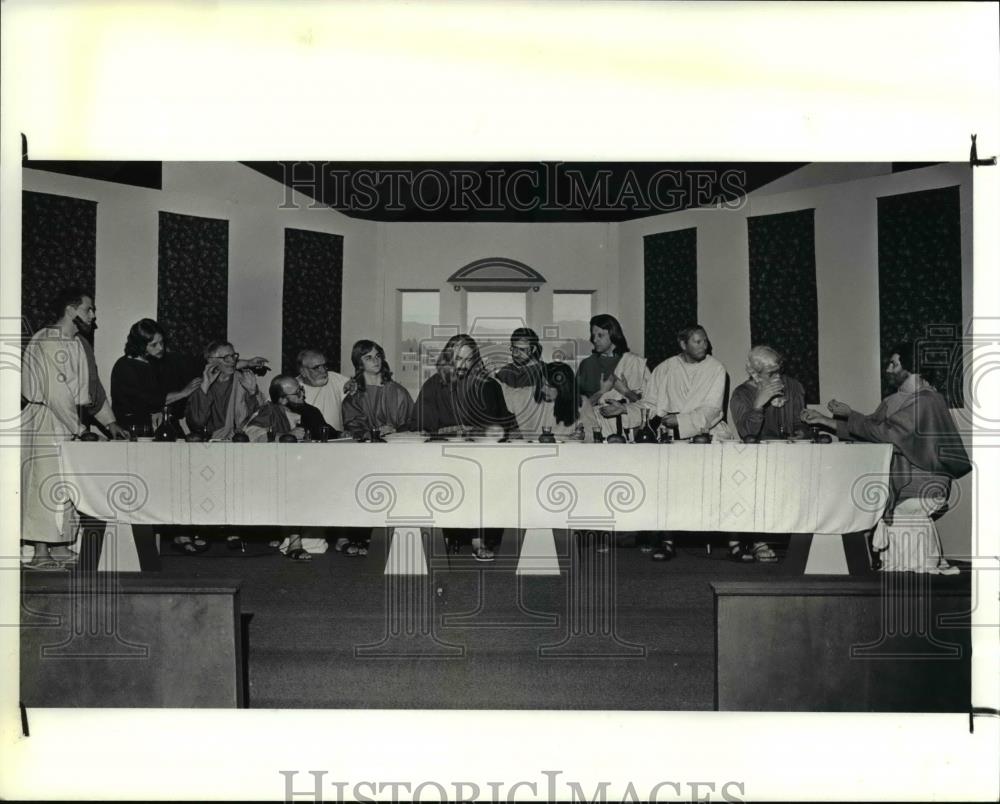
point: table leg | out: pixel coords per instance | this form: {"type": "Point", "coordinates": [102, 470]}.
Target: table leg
{"type": "Point", "coordinates": [826, 555]}
{"type": "Point", "coordinates": [538, 553]}
{"type": "Point", "coordinates": [406, 553]}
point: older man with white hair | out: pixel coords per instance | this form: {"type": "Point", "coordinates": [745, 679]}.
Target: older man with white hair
{"type": "Point", "coordinates": [324, 389]}
{"type": "Point", "coordinates": [767, 405]}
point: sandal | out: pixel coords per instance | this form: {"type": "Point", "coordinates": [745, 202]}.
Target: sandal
{"type": "Point", "coordinates": [298, 554]}
{"type": "Point", "coordinates": [764, 554]}
{"type": "Point", "coordinates": [44, 564]}
{"type": "Point", "coordinates": [356, 549]}
{"type": "Point", "coordinates": [341, 544]}
{"type": "Point", "coordinates": [737, 552]}
{"type": "Point", "coordinates": [482, 554]}
{"type": "Point", "coordinates": [183, 544]}
{"type": "Point", "coordinates": [665, 552]}
{"type": "Point", "coordinates": [199, 543]}
{"type": "Point", "coordinates": [69, 559]}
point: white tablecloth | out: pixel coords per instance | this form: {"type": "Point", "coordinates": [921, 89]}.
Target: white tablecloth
{"type": "Point", "coordinates": [773, 487]}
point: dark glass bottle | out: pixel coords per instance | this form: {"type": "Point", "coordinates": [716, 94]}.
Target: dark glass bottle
{"type": "Point", "coordinates": [167, 429]}
{"type": "Point", "coordinates": [644, 433]}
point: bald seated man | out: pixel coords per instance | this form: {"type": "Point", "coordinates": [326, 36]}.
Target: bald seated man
{"type": "Point", "coordinates": [287, 412]}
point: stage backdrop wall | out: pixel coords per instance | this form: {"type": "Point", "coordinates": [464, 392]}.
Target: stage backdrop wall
{"type": "Point", "coordinates": [571, 256]}
{"type": "Point", "coordinates": [127, 244]}
{"type": "Point", "coordinates": [845, 201]}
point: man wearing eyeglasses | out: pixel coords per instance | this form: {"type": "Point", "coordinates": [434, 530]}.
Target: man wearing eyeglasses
{"type": "Point", "coordinates": [287, 412]}
{"type": "Point", "coordinates": [525, 389]}
{"type": "Point", "coordinates": [228, 396]}
{"type": "Point", "coordinates": [324, 389]}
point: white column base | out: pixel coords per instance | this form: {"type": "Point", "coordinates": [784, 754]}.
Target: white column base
{"type": "Point", "coordinates": [538, 553]}
{"type": "Point", "coordinates": [406, 553]}
{"type": "Point", "coordinates": [826, 555]}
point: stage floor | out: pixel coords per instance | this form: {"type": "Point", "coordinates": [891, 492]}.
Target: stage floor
{"type": "Point", "coordinates": [337, 633]}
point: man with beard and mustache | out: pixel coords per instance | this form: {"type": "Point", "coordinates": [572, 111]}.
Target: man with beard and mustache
{"type": "Point", "coordinates": [287, 412]}
{"type": "Point", "coordinates": [324, 389]}
{"type": "Point", "coordinates": [927, 454]}
{"type": "Point", "coordinates": [462, 398]}
{"type": "Point", "coordinates": [61, 391]}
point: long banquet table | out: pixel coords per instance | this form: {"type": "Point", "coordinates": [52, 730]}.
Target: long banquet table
{"type": "Point", "coordinates": [409, 484]}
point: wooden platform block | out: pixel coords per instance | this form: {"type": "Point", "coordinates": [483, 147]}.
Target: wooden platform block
{"type": "Point", "coordinates": [895, 643]}
{"type": "Point", "coordinates": [130, 640]}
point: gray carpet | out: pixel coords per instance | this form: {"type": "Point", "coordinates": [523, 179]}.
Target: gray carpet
{"type": "Point", "coordinates": [475, 635]}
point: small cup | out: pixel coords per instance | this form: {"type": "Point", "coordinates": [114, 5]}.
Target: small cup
{"type": "Point", "coordinates": [324, 433]}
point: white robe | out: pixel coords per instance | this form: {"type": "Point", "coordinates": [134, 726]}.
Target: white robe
{"type": "Point", "coordinates": [634, 374]}
{"type": "Point", "coordinates": [532, 416]}
{"type": "Point", "coordinates": [328, 398]}
{"type": "Point", "coordinates": [694, 391]}
{"type": "Point", "coordinates": [55, 380]}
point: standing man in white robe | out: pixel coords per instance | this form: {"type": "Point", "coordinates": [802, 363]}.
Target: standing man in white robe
{"type": "Point", "coordinates": [58, 381]}
{"type": "Point", "coordinates": [686, 392]}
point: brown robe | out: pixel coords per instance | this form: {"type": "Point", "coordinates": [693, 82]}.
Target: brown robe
{"type": "Point", "coordinates": [927, 450]}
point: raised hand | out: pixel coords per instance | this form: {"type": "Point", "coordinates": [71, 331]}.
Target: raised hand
{"type": "Point", "coordinates": [208, 376]}
{"type": "Point", "coordinates": [607, 383]}
{"type": "Point", "coordinates": [839, 409]}
{"type": "Point", "coordinates": [768, 391]}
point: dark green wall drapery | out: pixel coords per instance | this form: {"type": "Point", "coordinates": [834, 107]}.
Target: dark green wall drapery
{"type": "Point", "coordinates": [920, 283]}
{"type": "Point", "coordinates": [783, 293]}
{"type": "Point", "coordinates": [670, 276]}
{"type": "Point", "coordinates": [192, 283]}
{"type": "Point", "coordinates": [311, 296]}
{"type": "Point", "coordinates": [58, 249]}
